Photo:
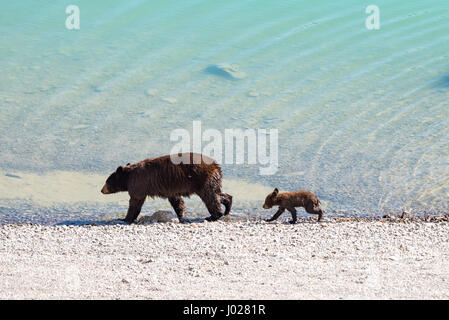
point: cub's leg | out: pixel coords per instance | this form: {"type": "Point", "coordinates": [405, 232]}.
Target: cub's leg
{"type": "Point", "coordinates": [276, 215]}
{"type": "Point", "coordinates": [135, 205]}
{"type": "Point", "coordinates": [226, 200]}
{"type": "Point", "coordinates": [315, 209]}
{"type": "Point", "coordinates": [178, 205]}
{"type": "Point", "coordinates": [294, 216]}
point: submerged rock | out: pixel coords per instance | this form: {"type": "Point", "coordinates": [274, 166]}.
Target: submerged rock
{"type": "Point", "coordinates": [253, 94]}
{"type": "Point", "coordinates": [169, 100]}
{"type": "Point", "coordinates": [10, 175]}
{"type": "Point", "coordinates": [151, 92]}
{"type": "Point", "coordinates": [80, 126]}
{"type": "Point", "coordinates": [225, 70]}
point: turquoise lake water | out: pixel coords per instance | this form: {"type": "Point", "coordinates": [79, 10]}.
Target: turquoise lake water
{"type": "Point", "coordinates": [362, 114]}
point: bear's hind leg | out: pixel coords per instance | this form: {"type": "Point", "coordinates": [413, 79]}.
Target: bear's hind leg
{"type": "Point", "coordinates": [315, 209]}
{"type": "Point", "coordinates": [320, 214]}
{"type": "Point", "coordinates": [214, 208]}
{"type": "Point", "coordinates": [226, 200]}
{"type": "Point", "coordinates": [212, 201]}
{"type": "Point", "coordinates": [178, 205]}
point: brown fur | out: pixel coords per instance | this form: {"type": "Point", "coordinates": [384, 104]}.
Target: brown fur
{"type": "Point", "coordinates": [160, 177]}
{"type": "Point", "coordinates": [291, 200]}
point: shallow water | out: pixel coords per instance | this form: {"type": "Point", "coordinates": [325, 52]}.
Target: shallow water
{"type": "Point", "coordinates": [362, 114]}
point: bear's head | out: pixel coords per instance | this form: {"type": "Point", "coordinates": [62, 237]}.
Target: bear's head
{"type": "Point", "coordinates": [116, 182]}
{"type": "Point", "coordinates": [270, 199]}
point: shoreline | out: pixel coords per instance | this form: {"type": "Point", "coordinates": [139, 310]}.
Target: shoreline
{"type": "Point", "coordinates": [336, 259]}
{"type": "Point", "coordinates": [169, 217]}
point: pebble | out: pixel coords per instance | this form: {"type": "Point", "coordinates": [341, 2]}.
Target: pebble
{"type": "Point", "coordinates": [329, 262]}
{"type": "Point", "coordinates": [394, 258]}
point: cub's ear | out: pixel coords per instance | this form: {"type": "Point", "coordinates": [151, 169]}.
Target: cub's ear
{"type": "Point", "coordinates": [119, 169]}
{"type": "Point", "coordinates": [276, 191]}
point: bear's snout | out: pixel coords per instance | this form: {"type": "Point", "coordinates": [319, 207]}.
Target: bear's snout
{"type": "Point", "coordinates": [265, 206]}
{"type": "Point", "coordinates": [105, 190]}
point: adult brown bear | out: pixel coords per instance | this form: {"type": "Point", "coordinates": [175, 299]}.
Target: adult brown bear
{"type": "Point", "coordinates": [162, 177]}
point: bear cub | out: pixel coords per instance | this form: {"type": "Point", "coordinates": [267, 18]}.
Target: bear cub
{"type": "Point", "coordinates": [291, 200]}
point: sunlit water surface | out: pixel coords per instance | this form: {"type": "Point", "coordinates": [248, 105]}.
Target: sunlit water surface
{"type": "Point", "coordinates": [362, 114]}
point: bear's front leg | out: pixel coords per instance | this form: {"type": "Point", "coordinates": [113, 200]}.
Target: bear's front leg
{"type": "Point", "coordinates": [135, 205]}
{"type": "Point", "coordinates": [276, 215]}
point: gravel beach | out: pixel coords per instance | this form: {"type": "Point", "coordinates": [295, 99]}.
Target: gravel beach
{"type": "Point", "coordinates": [227, 260]}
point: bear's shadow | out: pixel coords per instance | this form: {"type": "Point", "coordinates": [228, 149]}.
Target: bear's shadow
{"type": "Point", "coordinates": [89, 222]}
{"type": "Point", "coordinates": [115, 222]}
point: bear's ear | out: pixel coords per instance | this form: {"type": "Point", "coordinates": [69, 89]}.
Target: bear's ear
{"type": "Point", "coordinates": [119, 170]}
{"type": "Point", "coordinates": [276, 191]}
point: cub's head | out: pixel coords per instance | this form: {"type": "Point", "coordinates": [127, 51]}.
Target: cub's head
{"type": "Point", "coordinates": [116, 182]}
{"type": "Point", "coordinates": [270, 199]}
